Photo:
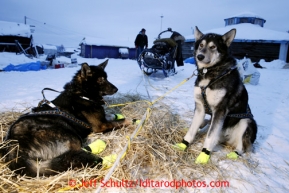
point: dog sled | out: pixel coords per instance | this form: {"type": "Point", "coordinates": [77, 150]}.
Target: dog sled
{"type": "Point", "coordinates": [163, 54]}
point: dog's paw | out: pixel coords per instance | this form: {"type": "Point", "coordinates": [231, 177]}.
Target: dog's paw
{"type": "Point", "coordinates": [95, 147]}
{"type": "Point", "coordinates": [109, 160]}
{"type": "Point", "coordinates": [135, 121]}
{"type": "Point", "coordinates": [119, 117]}
{"type": "Point", "coordinates": [232, 155]}
{"type": "Point", "coordinates": [180, 146]}
{"type": "Point", "coordinates": [203, 158]}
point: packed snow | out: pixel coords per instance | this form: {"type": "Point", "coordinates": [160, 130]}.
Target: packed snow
{"type": "Point", "coordinates": [268, 164]}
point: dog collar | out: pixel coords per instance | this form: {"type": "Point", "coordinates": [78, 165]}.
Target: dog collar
{"type": "Point", "coordinates": [203, 71]}
{"type": "Point", "coordinates": [85, 98]}
{"type": "Point", "coordinates": [90, 100]}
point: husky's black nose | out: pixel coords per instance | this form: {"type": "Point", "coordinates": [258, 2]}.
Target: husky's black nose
{"type": "Point", "coordinates": [114, 90]}
{"type": "Point", "coordinates": [200, 57]}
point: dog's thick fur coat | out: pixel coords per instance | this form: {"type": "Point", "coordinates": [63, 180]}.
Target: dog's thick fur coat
{"type": "Point", "coordinates": [220, 92]}
{"type": "Point", "coordinates": [48, 142]}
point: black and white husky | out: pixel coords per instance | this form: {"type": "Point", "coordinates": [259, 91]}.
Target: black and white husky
{"type": "Point", "coordinates": [220, 93]}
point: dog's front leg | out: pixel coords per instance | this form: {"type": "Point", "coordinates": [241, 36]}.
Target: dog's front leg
{"type": "Point", "coordinates": [197, 121]}
{"type": "Point", "coordinates": [100, 122]}
{"type": "Point", "coordinates": [107, 126]}
{"type": "Point", "coordinates": [199, 116]}
{"type": "Point", "coordinates": [213, 137]}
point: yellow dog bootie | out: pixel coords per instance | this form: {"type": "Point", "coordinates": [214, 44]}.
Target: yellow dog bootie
{"type": "Point", "coordinates": [180, 146]}
{"type": "Point", "coordinates": [109, 160]}
{"type": "Point", "coordinates": [136, 121]}
{"type": "Point", "coordinates": [233, 155]}
{"type": "Point", "coordinates": [119, 117]}
{"type": "Point", "coordinates": [204, 157]}
{"type": "Point", "coordinates": [95, 147]}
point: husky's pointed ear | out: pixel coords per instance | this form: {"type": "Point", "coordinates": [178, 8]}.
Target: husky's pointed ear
{"type": "Point", "coordinates": [103, 65]}
{"type": "Point", "coordinates": [198, 34]}
{"type": "Point", "coordinates": [85, 71]}
{"type": "Point", "coordinates": [229, 36]}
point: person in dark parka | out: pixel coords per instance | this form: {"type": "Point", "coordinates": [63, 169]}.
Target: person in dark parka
{"type": "Point", "coordinates": [141, 42]}
{"type": "Point", "coordinates": [179, 40]}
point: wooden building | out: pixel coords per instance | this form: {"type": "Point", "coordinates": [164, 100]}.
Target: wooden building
{"type": "Point", "coordinates": [13, 35]}
{"type": "Point", "coordinates": [252, 39]}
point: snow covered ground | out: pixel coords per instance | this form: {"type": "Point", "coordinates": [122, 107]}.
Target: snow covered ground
{"type": "Point", "coordinates": [268, 165]}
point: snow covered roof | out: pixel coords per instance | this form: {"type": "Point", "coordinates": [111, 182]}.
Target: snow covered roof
{"type": "Point", "coordinates": [105, 42]}
{"type": "Point", "coordinates": [70, 49]}
{"type": "Point", "coordinates": [249, 32]}
{"type": "Point", "coordinates": [48, 47]}
{"type": "Point", "coordinates": [14, 29]}
{"type": "Point", "coordinates": [247, 14]}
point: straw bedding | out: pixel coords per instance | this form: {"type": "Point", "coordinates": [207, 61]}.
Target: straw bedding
{"type": "Point", "coordinates": [150, 155]}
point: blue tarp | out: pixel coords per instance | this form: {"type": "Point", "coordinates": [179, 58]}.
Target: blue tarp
{"type": "Point", "coordinates": [190, 60]}
{"type": "Point", "coordinates": [33, 66]}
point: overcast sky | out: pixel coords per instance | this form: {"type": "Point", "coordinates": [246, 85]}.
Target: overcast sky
{"type": "Point", "coordinates": [68, 21]}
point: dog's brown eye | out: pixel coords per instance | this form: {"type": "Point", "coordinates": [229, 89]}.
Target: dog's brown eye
{"type": "Point", "coordinates": [201, 45]}
{"type": "Point", "coordinates": [212, 47]}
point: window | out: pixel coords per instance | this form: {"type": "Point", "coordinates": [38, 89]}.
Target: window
{"type": "Point", "coordinates": [244, 20]}
{"type": "Point", "coordinates": [230, 21]}
{"type": "Point", "coordinates": [259, 22]}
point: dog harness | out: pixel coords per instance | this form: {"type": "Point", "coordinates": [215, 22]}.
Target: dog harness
{"type": "Point", "coordinates": [248, 113]}
{"type": "Point", "coordinates": [62, 114]}
{"type": "Point", "coordinates": [55, 111]}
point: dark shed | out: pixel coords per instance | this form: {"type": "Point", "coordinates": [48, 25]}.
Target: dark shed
{"type": "Point", "coordinates": [100, 48]}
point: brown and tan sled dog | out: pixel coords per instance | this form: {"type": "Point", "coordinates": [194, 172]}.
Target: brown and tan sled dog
{"type": "Point", "coordinates": [50, 138]}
